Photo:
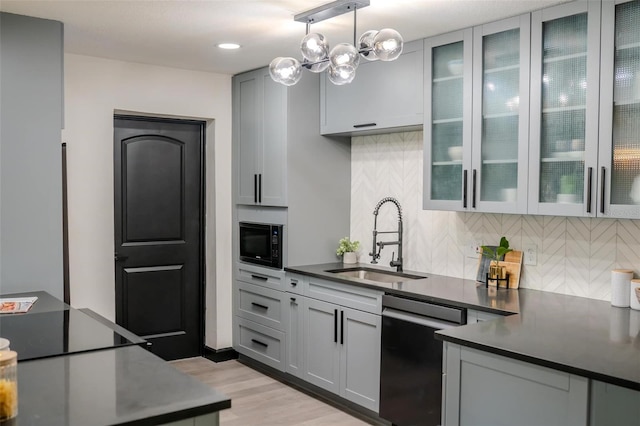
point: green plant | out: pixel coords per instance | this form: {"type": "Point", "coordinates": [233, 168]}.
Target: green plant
{"type": "Point", "coordinates": [568, 184]}
{"type": "Point", "coordinates": [499, 252]}
{"type": "Point", "coordinates": [346, 245]}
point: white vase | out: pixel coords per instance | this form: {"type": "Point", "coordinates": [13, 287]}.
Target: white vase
{"type": "Point", "coordinates": [349, 257]}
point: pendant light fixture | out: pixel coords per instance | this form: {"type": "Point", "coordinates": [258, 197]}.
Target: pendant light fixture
{"type": "Point", "coordinates": [342, 61]}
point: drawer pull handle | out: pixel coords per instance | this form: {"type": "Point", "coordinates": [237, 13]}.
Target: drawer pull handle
{"type": "Point", "coordinates": [257, 305]}
{"type": "Point", "coordinates": [293, 299]}
{"type": "Point", "coordinates": [294, 282]}
{"type": "Point", "coordinates": [258, 342]}
{"type": "Point", "coordinates": [357, 126]}
{"type": "Point", "coordinates": [259, 277]}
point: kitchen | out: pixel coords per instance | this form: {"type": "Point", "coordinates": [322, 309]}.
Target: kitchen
{"type": "Point", "coordinates": [571, 251]}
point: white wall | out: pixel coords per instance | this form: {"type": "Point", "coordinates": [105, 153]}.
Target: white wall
{"type": "Point", "coordinates": [95, 88]}
{"type": "Point", "coordinates": [575, 255]}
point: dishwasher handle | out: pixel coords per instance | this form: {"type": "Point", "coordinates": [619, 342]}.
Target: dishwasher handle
{"type": "Point", "coordinates": [418, 319]}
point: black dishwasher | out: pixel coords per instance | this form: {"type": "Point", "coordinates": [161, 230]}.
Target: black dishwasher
{"type": "Point", "coordinates": [411, 359]}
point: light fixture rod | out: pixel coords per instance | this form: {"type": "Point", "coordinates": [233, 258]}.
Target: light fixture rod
{"type": "Point", "coordinates": [330, 10]}
{"type": "Point", "coordinates": [355, 20]}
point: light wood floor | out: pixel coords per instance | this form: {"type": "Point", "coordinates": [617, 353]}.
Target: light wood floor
{"type": "Point", "coordinates": [257, 399]}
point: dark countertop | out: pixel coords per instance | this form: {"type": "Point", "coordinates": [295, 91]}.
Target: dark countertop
{"type": "Point", "coordinates": [125, 385]}
{"type": "Point", "coordinates": [582, 336]}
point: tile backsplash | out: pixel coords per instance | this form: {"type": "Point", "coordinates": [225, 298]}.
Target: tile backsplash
{"type": "Point", "coordinates": [574, 255]}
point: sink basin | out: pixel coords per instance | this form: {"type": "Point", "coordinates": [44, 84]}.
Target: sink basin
{"type": "Point", "coordinates": [371, 274]}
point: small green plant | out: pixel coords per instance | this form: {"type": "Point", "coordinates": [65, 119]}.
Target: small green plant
{"type": "Point", "coordinates": [499, 252]}
{"type": "Point", "coordinates": [346, 245]}
{"type": "Point", "coordinates": [568, 184]}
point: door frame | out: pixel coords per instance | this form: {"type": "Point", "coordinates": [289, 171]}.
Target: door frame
{"type": "Point", "coordinates": [202, 198]}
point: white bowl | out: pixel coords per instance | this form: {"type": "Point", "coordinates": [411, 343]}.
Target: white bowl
{"type": "Point", "coordinates": [455, 66]}
{"type": "Point", "coordinates": [566, 198]}
{"type": "Point", "coordinates": [455, 153]}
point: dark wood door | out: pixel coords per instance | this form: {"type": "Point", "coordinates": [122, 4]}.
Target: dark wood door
{"type": "Point", "coordinates": [158, 232]}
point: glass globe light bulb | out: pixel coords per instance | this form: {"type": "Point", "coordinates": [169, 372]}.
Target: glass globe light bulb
{"type": "Point", "coordinates": [344, 54]}
{"type": "Point", "coordinates": [342, 74]}
{"type": "Point", "coordinates": [366, 42]}
{"type": "Point", "coordinates": [288, 71]}
{"type": "Point", "coordinates": [314, 47]}
{"type": "Point", "coordinates": [387, 44]}
{"type": "Point", "coordinates": [272, 69]}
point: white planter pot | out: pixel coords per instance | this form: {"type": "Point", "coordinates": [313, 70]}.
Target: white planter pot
{"type": "Point", "coordinates": [349, 257]}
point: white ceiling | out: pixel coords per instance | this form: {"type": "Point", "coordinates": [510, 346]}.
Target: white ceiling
{"type": "Point", "coordinates": [183, 33]}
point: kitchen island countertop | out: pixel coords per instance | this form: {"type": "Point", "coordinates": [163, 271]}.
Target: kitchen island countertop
{"type": "Point", "coordinates": [577, 335]}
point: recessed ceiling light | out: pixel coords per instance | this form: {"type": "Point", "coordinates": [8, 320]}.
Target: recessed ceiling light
{"type": "Point", "coordinates": [228, 46]}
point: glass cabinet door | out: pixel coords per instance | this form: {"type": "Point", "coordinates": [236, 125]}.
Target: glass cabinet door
{"type": "Point", "coordinates": [564, 113]}
{"type": "Point", "coordinates": [447, 136]}
{"type": "Point", "coordinates": [501, 116]}
{"type": "Point", "coordinates": [619, 160]}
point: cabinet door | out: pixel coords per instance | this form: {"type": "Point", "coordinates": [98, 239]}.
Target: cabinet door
{"type": "Point", "coordinates": [618, 192]}
{"type": "Point", "coordinates": [447, 129]}
{"type": "Point", "coordinates": [360, 342]}
{"type": "Point", "coordinates": [487, 389]}
{"type": "Point", "coordinates": [260, 139]}
{"type": "Point", "coordinates": [383, 95]}
{"type": "Point", "coordinates": [321, 348]}
{"type": "Point", "coordinates": [295, 333]}
{"type": "Point", "coordinates": [501, 115]}
{"type": "Point", "coordinates": [247, 109]}
{"type": "Point", "coordinates": [565, 63]}
{"type": "Point", "coordinates": [272, 173]}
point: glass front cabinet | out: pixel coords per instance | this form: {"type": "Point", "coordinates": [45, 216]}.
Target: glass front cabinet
{"type": "Point", "coordinates": [563, 150]}
{"type": "Point", "coordinates": [618, 177]}
{"type": "Point", "coordinates": [476, 125]}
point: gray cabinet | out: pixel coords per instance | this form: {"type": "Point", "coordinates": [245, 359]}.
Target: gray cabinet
{"type": "Point", "coordinates": [31, 113]}
{"type": "Point", "coordinates": [565, 66]}
{"type": "Point", "coordinates": [383, 96]}
{"type": "Point", "coordinates": [476, 147]}
{"type": "Point", "coordinates": [295, 334]}
{"type": "Point", "coordinates": [342, 351]}
{"type": "Point", "coordinates": [259, 138]}
{"type": "Point", "coordinates": [613, 405]}
{"type": "Point", "coordinates": [486, 389]}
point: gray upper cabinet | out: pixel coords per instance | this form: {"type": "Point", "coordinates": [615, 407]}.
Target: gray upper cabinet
{"type": "Point", "coordinates": [383, 96]}
{"type": "Point", "coordinates": [476, 147]}
{"type": "Point", "coordinates": [565, 65]}
{"type": "Point", "coordinates": [618, 190]}
{"type": "Point", "coordinates": [259, 138]}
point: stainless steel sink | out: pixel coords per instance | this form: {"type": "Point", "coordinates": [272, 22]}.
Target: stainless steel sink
{"type": "Point", "coordinates": [371, 274]}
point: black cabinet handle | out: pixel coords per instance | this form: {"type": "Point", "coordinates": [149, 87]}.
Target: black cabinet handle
{"type": "Point", "coordinates": [293, 299]}
{"type": "Point", "coordinates": [357, 126]}
{"type": "Point", "coordinates": [255, 188]}
{"type": "Point", "coordinates": [589, 188]}
{"type": "Point", "coordinates": [258, 342]}
{"type": "Point", "coordinates": [603, 171]}
{"type": "Point", "coordinates": [464, 188]}
{"type": "Point", "coordinates": [473, 191]}
{"type": "Point", "coordinates": [257, 305]}
{"type": "Point", "coordinates": [294, 282]}
{"type": "Point", "coordinates": [342, 327]}
{"type": "Point", "coordinates": [259, 277]}
{"type": "Point", "coordinates": [335, 326]}
{"type": "Point", "coordinates": [260, 188]}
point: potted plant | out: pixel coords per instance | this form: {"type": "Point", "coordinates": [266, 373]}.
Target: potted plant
{"type": "Point", "coordinates": [347, 249]}
{"type": "Point", "coordinates": [497, 254]}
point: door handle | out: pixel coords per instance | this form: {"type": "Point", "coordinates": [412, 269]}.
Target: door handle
{"type": "Point", "coordinates": [257, 305]}
{"type": "Point", "coordinates": [260, 188]}
{"type": "Point", "coordinates": [119, 258]}
{"type": "Point", "coordinates": [473, 190]}
{"type": "Point", "coordinates": [258, 342]}
{"type": "Point", "coordinates": [342, 327]}
{"type": "Point", "coordinates": [259, 277]}
{"type": "Point", "coordinates": [335, 326]}
{"type": "Point", "coordinates": [603, 171]}
{"type": "Point", "coordinates": [358, 126]}
{"type": "Point", "coordinates": [464, 189]}
{"type": "Point", "coordinates": [255, 188]}
{"type": "Point", "coordinates": [589, 187]}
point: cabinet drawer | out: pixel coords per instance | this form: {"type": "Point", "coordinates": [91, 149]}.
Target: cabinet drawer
{"type": "Point", "coordinates": [265, 277]}
{"type": "Point", "coordinates": [259, 304]}
{"type": "Point", "coordinates": [295, 283]}
{"type": "Point", "coordinates": [261, 343]}
{"type": "Point", "coordinates": [363, 299]}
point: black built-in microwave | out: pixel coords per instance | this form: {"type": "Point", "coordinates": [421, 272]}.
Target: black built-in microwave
{"type": "Point", "coordinates": [261, 243]}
